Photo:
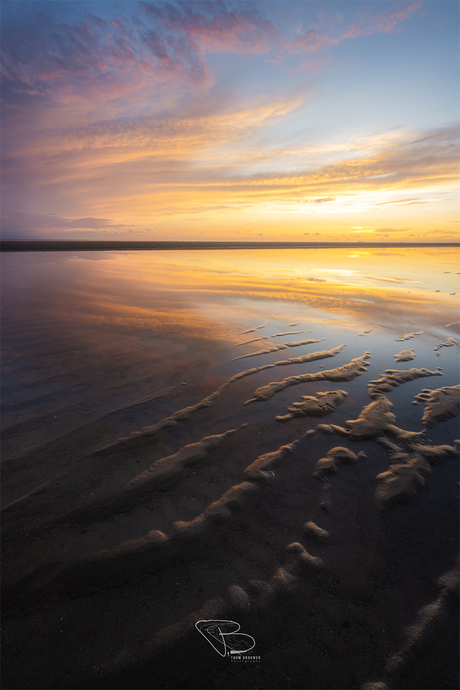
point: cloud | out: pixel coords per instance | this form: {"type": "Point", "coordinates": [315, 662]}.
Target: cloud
{"type": "Point", "coordinates": [170, 135]}
{"type": "Point", "coordinates": [445, 233]}
{"type": "Point", "coordinates": [38, 225]}
{"type": "Point", "coordinates": [398, 230]}
{"type": "Point", "coordinates": [214, 26]}
{"type": "Point", "coordinates": [315, 40]}
{"type": "Point", "coordinates": [382, 23]}
{"type": "Point", "coordinates": [421, 162]}
{"type": "Point", "coordinates": [175, 148]}
{"type": "Point", "coordinates": [149, 43]}
{"type": "Point", "coordinates": [389, 279]}
{"type": "Point", "coordinates": [174, 166]}
{"type": "Point", "coordinates": [403, 202]}
{"type": "Point", "coordinates": [144, 45]}
{"type": "Point", "coordinates": [132, 115]}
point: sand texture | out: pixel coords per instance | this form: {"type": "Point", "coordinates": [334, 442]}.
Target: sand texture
{"type": "Point", "coordinates": [298, 343]}
{"type": "Point", "coordinates": [256, 328]}
{"type": "Point", "coordinates": [248, 342]}
{"type": "Point", "coordinates": [405, 355]}
{"type": "Point", "coordinates": [407, 336]}
{"type": "Point", "coordinates": [166, 472]}
{"type": "Point", "coordinates": [314, 406]}
{"type": "Point", "coordinates": [312, 357]}
{"type": "Point", "coordinates": [345, 373]}
{"type": "Point", "coordinates": [450, 342]}
{"type": "Point", "coordinates": [161, 531]}
{"type": "Point", "coordinates": [271, 347]}
{"type": "Point", "coordinates": [335, 457]}
{"type": "Point", "coordinates": [421, 635]}
{"type": "Point", "coordinates": [393, 378]}
{"type": "Point", "coordinates": [277, 335]}
{"type": "Point", "coordinates": [440, 404]}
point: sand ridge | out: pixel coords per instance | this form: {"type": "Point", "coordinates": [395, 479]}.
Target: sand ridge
{"type": "Point", "coordinates": [394, 377]}
{"type": "Point", "coordinates": [408, 469]}
{"type": "Point", "coordinates": [440, 404]}
{"type": "Point", "coordinates": [253, 598]}
{"type": "Point", "coordinates": [277, 335]}
{"type": "Point", "coordinates": [165, 472]}
{"type": "Point", "coordinates": [256, 328]}
{"type": "Point", "coordinates": [155, 550]}
{"type": "Point", "coordinates": [329, 429]}
{"type": "Point", "coordinates": [429, 620]}
{"type": "Point", "coordinates": [377, 419]}
{"type": "Point", "coordinates": [347, 372]}
{"type": "Point", "coordinates": [405, 355]}
{"type": "Point", "coordinates": [297, 343]}
{"type": "Point", "coordinates": [314, 406]}
{"type": "Point", "coordinates": [248, 342]}
{"type": "Point", "coordinates": [318, 534]}
{"type": "Point", "coordinates": [312, 357]}
{"type": "Point", "coordinates": [335, 457]}
{"type": "Point", "coordinates": [450, 342]}
{"type": "Point", "coordinates": [247, 525]}
{"type": "Point", "coordinates": [406, 474]}
{"type": "Point", "coordinates": [407, 336]}
{"type": "Point", "coordinates": [271, 348]}
{"type": "Point", "coordinates": [185, 413]}
{"type": "Point", "coordinates": [147, 398]}
{"type": "Point", "coordinates": [261, 470]}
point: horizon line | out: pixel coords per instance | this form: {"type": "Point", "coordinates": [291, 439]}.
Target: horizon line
{"type": "Point", "coordinates": [101, 245]}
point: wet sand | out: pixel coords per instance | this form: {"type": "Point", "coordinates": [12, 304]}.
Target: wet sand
{"type": "Point", "coordinates": [143, 498]}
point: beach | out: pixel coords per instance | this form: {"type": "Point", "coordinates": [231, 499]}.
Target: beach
{"type": "Point", "coordinates": [230, 469]}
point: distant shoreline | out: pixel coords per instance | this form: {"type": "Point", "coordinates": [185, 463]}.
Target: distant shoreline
{"type": "Point", "coordinates": [104, 245]}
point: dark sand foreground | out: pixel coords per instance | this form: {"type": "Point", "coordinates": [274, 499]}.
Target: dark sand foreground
{"type": "Point", "coordinates": [160, 477]}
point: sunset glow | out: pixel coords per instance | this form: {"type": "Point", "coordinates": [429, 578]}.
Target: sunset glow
{"type": "Point", "coordinates": [230, 121]}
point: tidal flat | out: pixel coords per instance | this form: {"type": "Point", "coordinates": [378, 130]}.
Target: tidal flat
{"type": "Point", "coordinates": [230, 469]}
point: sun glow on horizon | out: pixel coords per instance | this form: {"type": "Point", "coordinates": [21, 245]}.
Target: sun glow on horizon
{"type": "Point", "coordinates": [233, 123]}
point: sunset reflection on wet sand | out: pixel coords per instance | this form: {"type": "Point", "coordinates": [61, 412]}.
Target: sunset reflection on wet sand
{"type": "Point", "coordinates": [142, 495]}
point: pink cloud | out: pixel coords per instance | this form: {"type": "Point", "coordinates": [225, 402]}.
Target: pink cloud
{"type": "Point", "coordinates": [214, 26]}
{"type": "Point", "coordinates": [150, 43]}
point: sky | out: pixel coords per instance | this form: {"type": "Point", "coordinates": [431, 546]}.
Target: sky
{"type": "Point", "coordinates": [216, 120]}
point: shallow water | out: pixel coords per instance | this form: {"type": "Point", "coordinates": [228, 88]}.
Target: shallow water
{"type": "Point", "coordinates": [104, 583]}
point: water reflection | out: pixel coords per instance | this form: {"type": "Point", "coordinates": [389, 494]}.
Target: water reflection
{"type": "Point", "coordinates": [133, 321]}
{"type": "Point", "coordinates": [203, 290]}
{"type": "Point", "coordinates": [135, 475]}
